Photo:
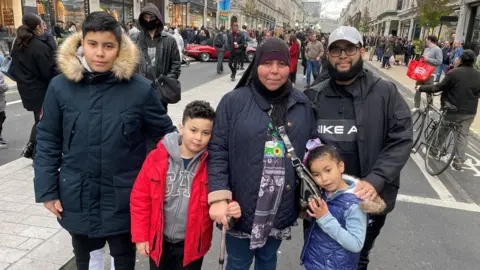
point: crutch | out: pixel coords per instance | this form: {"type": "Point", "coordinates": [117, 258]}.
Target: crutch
{"type": "Point", "coordinates": [221, 258]}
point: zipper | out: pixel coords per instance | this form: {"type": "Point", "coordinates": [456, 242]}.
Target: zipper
{"type": "Point", "coordinates": [199, 242]}
{"type": "Point", "coordinates": [154, 242]}
{"type": "Point", "coordinates": [179, 205]}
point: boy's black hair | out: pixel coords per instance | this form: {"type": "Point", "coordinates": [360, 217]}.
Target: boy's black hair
{"type": "Point", "coordinates": [100, 21]}
{"type": "Point", "coordinates": [198, 109]}
{"type": "Point", "coordinates": [322, 151]}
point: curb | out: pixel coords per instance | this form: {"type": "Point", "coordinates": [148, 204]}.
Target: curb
{"type": "Point", "coordinates": [12, 86]}
{"type": "Point", "coordinates": [472, 133]}
{"type": "Point", "coordinates": [70, 265]}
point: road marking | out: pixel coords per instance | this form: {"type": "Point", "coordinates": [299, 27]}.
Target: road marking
{"type": "Point", "coordinates": [436, 184]}
{"type": "Point", "coordinates": [14, 102]}
{"type": "Point", "coordinates": [471, 207]}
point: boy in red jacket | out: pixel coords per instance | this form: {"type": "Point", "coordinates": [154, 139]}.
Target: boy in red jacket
{"type": "Point", "coordinates": [168, 204]}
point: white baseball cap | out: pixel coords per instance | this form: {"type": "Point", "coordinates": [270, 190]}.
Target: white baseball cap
{"type": "Point", "coordinates": [347, 33]}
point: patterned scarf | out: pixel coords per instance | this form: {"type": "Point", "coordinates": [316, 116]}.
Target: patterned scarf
{"type": "Point", "coordinates": [271, 189]}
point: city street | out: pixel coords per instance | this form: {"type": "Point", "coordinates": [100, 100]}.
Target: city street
{"type": "Point", "coordinates": [435, 223]}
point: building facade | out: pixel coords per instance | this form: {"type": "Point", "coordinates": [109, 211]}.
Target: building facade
{"type": "Point", "coordinates": [400, 18]}
{"type": "Point", "coordinates": [272, 14]}
{"type": "Point", "coordinates": [468, 27]}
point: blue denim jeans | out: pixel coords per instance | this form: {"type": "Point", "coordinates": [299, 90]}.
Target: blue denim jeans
{"type": "Point", "coordinates": [312, 66]}
{"type": "Point", "coordinates": [240, 257]}
{"type": "Point", "coordinates": [379, 54]}
{"type": "Point", "coordinates": [442, 68]}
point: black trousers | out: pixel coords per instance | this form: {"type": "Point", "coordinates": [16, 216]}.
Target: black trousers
{"type": "Point", "coordinates": [375, 224]}
{"type": "Point", "coordinates": [172, 258]}
{"type": "Point", "coordinates": [3, 116]}
{"type": "Point", "coordinates": [121, 249]}
{"type": "Point", "coordinates": [293, 76]}
{"type": "Point", "coordinates": [242, 58]}
{"type": "Point", "coordinates": [33, 133]}
{"type": "Point", "coordinates": [233, 62]}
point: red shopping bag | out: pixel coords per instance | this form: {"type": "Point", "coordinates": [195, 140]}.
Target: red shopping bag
{"type": "Point", "coordinates": [419, 70]}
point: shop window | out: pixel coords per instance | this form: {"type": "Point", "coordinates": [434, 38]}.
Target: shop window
{"type": "Point", "coordinates": [122, 10]}
{"type": "Point", "coordinates": [473, 39]}
{"type": "Point", "coordinates": [70, 11]}
{"type": "Point", "coordinates": [178, 14]}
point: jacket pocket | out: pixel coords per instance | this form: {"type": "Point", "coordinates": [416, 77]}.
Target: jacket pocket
{"type": "Point", "coordinates": [69, 131]}
{"type": "Point", "coordinates": [71, 187]}
{"type": "Point", "coordinates": [131, 128]}
{"type": "Point", "coordinates": [123, 184]}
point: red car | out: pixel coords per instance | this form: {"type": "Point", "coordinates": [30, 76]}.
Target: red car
{"type": "Point", "coordinates": [206, 52]}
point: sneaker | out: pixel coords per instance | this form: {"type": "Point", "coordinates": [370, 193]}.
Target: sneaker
{"type": "Point", "coordinates": [242, 68]}
{"type": "Point", "coordinates": [457, 165]}
{"type": "Point", "coordinates": [414, 110]}
{"type": "Point", "coordinates": [232, 78]}
{"type": "Point", "coordinates": [3, 143]}
{"type": "Point", "coordinates": [28, 151]}
{"type": "Point", "coordinates": [304, 77]}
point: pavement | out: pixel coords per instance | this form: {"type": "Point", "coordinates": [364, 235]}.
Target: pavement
{"type": "Point", "coordinates": [435, 223]}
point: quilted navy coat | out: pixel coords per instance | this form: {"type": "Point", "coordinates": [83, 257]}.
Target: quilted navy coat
{"type": "Point", "coordinates": [91, 140]}
{"type": "Point", "coordinates": [236, 152]}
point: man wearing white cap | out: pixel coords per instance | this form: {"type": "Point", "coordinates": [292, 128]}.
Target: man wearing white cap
{"type": "Point", "coordinates": [371, 123]}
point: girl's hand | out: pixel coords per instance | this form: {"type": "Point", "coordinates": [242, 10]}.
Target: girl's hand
{"type": "Point", "coordinates": [319, 208]}
{"type": "Point", "coordinates": [234, 210]}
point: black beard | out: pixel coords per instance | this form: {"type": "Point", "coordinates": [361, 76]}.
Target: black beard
{"type": "Point", "coordinates": [345, 76]}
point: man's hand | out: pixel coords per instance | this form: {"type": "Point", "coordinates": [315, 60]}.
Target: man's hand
{"type": "Point", "coordinates": [143, 248]}
{"type": "Point", "coordinates": [318, 58]}
{"type": "Point", "coordinates": [417, 87]}
{"type": "Point", "coordinates": [218, 213]}
{"type": "Point", "coordinates": [55, 207]}
{"type": "Point", "coordinates": [319, 208]}
{"type": "Point", "coordinates": [425, 57]}
{"type": "Point", "coordinates": [365, 191]}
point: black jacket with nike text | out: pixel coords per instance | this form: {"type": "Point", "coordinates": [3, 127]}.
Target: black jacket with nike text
{"type": "Point", "coordinates": [383, 128]}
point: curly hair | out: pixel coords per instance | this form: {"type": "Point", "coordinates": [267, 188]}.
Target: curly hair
{"type": "Point", "coordinates": [198, 109]}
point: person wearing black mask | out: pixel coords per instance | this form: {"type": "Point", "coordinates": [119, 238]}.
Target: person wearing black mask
{"type": "Point", "coordinates": [367, 120]}
{"type": "Point", "coordinates": [157, 47]}
{"type": "Point", "coordinates": [246, 154]}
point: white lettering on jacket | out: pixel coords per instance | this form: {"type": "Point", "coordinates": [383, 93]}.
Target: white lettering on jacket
{"type": "Point", "coordinates": [337, 130]}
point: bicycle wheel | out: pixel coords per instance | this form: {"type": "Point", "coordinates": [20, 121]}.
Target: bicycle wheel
{"type": "Point", "coordinates": [440, 149]}
{"type": "Point", "coordinates": [418, 119]}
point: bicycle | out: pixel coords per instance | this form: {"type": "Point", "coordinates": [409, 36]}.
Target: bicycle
{"type": "Point", "coordinates": [440, 136]}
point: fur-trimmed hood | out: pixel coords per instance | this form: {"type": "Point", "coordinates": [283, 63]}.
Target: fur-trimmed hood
{"type": "Point", "coordinates": [123, 68]}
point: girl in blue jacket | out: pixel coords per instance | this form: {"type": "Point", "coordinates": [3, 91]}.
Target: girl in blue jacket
{"type": "Point", "coordinates": [336, 239]}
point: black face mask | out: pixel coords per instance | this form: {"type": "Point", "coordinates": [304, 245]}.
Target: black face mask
{"type": "Point", "coordinates": [150, 25]}
{"type": "Point", "coordinates": [347, 75]}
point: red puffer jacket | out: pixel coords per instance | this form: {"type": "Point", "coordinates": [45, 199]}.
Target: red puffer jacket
{"type": "Point", "coordinates": [146, 207]}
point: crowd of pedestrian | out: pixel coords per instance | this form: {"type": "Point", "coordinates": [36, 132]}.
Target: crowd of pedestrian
{"type": "Point", "coordinates": [112, 167]}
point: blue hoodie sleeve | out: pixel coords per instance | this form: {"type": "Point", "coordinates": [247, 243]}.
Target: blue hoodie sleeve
{"type": "Point", "coordinates": [352, 237]}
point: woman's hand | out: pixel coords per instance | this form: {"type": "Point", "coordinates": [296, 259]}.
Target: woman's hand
{"type": "Point", "coordinates": [143, 248]}
{"type": "Point", "coordinates": [234, 210]}
{"type": "Point", "coordinates": [218, 212]}
{"type": "Point", "coordinates": [319, 208]}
